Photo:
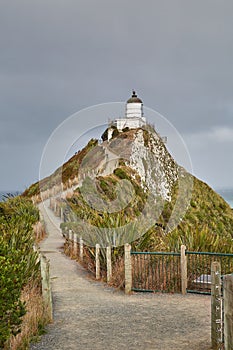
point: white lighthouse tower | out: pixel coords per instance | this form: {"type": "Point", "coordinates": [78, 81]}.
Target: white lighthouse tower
{"type": "Point", "coordinates": [134, 107]}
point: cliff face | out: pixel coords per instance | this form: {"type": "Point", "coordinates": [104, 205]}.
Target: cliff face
{"type": "Point", "coordinates": [141, 150]}
{"type": "Point", "coordinates": [155, 166]}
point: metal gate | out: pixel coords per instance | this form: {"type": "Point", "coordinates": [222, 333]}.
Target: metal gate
{"type": "Point", "coordinates": [156, 272]}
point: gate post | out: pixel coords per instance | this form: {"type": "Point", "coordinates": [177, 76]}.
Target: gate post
{"type": "Point", "coordinates": [216, 306]}
{"type": "Point", "coordinates": [183, 266]}
{"type": "Point", "coordinates": [228, 311]}
{"type": "Point", "coordinates": [128, 269]}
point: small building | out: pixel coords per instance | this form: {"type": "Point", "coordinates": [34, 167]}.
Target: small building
{"type": "Point", "coordinates": [134, 117]}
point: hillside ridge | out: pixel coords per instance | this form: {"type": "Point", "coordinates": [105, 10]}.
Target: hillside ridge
{"type": "Point", "coordinates": [190, 212]}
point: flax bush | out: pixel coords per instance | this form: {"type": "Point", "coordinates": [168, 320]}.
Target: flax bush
{"type": "Point", "coordinates": [18, 261]}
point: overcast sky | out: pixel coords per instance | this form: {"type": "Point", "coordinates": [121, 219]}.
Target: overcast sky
{"type": "Point", "coordinates": [58, 57]}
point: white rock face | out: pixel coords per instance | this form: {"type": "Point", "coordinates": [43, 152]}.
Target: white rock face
{"type": "Point", "coordinates": [143, 151]}
{"type": "Point", "coordinates": [154, 164]}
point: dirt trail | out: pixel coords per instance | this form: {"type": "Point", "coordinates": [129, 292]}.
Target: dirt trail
{"type": "Point", "coordinates": [91, 315]}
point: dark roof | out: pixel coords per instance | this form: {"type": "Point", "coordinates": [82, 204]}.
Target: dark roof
{"type": "Point", "coordinates": [134, 98]}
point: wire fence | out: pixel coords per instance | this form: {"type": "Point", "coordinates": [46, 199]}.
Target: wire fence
{"type": "Point", "coordinates": [199, 269]}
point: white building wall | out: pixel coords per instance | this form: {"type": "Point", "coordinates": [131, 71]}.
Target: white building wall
{"type": "Point", "coordinates": [121, 123]}
{"type": "Point", "coordinates": [131, 123]}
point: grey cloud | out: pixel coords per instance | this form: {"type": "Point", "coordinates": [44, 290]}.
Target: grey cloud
{"type": "Point", "coordinates": [60, 56]}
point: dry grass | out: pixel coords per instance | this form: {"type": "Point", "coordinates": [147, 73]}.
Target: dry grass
{"type": "Point", "coordinates": [34, 320]}
{"type": "Point", "coordinates": [39, 231]}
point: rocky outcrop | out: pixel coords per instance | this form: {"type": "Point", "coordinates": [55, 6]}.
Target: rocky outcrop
{"type": "Point", "coordinates": [151, 160]}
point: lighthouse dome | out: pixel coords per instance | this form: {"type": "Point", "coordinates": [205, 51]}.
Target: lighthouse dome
{"type": "Point", "coordinates": [134, 98]}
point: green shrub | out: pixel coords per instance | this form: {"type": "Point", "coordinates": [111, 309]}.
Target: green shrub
{"type": "Point", "coordinates": [18, 261]}
{"type": "Point", "coordinates": [115, 133]}
{"type": "Point", "coordinates": [119, 172]}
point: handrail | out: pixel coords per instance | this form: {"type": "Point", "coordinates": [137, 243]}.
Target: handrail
{"type": "Point", "coordinates": [208, 253]}
{"type": "Point", "coordinates": [178, 254]}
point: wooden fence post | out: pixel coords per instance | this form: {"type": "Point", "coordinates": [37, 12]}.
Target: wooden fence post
{"type": "Point", "coordinates": [59, 210]}
{"type": "Point", "coordinates": [97, 261]}
{"type": "Point", "coordinates": [72, 243]}
{"type": "Point", "coordinates": [81, 249]}
{"type": "Point", "coordinates": [75, 244]}
{"type": "Point", "coordinates": [70, 236]}
{"type": "Point", "coordinates": [46, 286]}
{"type": "Point", "coordinates": [109, 264]}
{"type": "Point", "coordinates": [228, 311]}
{"type": "Point", "coordinates": [216, 306]}
{"type": "Point", "coordinates": [128, 269]}
{"type": "Point", "coordinates": [183, 266]}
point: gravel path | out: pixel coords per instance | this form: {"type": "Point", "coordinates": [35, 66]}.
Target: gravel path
{"type": "Point", "coordinates": [91, 315]}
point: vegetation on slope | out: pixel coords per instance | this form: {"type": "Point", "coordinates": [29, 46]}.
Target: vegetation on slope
{"type": "Point", "coordinates": [67, 171]}
{"type": "Point", "coordinates": [206, 226]}
{"type": "Point", "coordinates": [19, 268]}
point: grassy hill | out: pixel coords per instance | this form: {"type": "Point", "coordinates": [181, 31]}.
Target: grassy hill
{"type": "Point", "coordinates": [206, 226]}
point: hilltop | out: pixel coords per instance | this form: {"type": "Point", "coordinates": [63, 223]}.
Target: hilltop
{"type": "Point", "coordinates": [133, 173]}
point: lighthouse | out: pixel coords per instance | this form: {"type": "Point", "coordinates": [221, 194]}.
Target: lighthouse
{"type": "Point", "coordinates": [133, 118]}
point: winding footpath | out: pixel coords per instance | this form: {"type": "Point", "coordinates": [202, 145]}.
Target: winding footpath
{"type": "Point", "coordinates": [90, 315]}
